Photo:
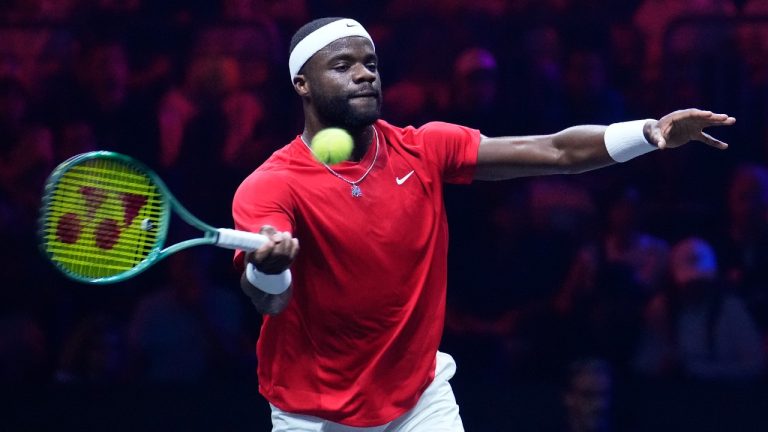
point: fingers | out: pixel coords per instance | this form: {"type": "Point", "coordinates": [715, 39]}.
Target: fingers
{"type": "Point", "coordinates": [687, 114]}
{"type": "Point", "coordinates": [285, 245]}
{"type": "Point", "coordinates": [711, 141]}
{"type": "Point", "coordinates": [711, 118]}
{"type": "Point", "coordinates": [679, 127]}
{"type": "Point", "coordinates": [260, 254]}
{"type": "Point", "coordinates": [721, 120]}
{"type": "Point", "coordinates": [277, 253]}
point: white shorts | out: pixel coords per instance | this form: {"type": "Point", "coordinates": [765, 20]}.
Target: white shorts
{"type": "Point", "coordinates": [436, 411]}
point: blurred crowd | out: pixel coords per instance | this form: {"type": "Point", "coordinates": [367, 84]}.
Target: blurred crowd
{"type": "Point", "coordinates": [656, 268]}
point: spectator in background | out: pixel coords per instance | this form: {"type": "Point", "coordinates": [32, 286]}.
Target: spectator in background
{"type": "Point", "coordinates": [209, 125]}
{"type": "Point", "coordinates": [26, 157]}
{"type": "Point", "coordinates": [596, 312]}
{"type": "Point", "coordinates": [590, 98]}
{"type": "Point", "coordinates": [473, 324]}
{"type": "Point", "coordinates": [744, 245]}
{"type": "Point", "coordinates": [433, 30]}
{"type": "Point", "coordinates": [540, 85]}
{"type": "Point", "coordinates": [541, 335]}
{"type": "Point", "coordinates": [52, 62]}
{"type": "Point", "coordinates": [654, 17]}
{"type": "Point", "coordinates": [751, 41]}
{"type": "Point", "coordinates": [152, 36]}
{"type": "Point", "coordinates": [626, 60]}
{"type": "Point", "coordinates": [94, 353]}
{"type": "Point", "coordinates": [588, 396]}
{"type": "Point", "coordinates": [208, 81]}
{"type": "Point", "coordinates": [74, 138]}
{"type": "Point", "coordinates": [697, 328]}
{"type": "Point", "coordinates": [248, 36]}
{"type": "Point", "coordinates": [31, 54]}
{"type": "Point", "coordinates": [190, 330]}
{"type": "Point", "coordinates": [480, 331]}
{"type": "Point", "coordinates": [476, 99]}
{"type": "Point", "coordinates": [414, 102]}
{"type": "Point", "coordinates": [624, 242]}
{"type": "Point", "coordinates": [689, 55]}
{"type": "Point", "coordinates": [98, 96]}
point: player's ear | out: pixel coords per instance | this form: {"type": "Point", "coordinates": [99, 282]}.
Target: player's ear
{"type": "Point", "coordinates": [300, 85]}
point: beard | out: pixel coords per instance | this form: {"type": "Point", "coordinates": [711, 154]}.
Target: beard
{"type": "Point", "coordinates": [336, 110]}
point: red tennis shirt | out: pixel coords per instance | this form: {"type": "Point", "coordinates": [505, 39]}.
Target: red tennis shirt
{"type": "Point", "coordinates": [357, 343]}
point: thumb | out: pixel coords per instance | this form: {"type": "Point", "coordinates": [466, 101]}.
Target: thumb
{"type": "Point", "coordinates": [657, 138]}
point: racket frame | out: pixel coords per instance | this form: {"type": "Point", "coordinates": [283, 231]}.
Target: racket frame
{"type": "Point", "coordinates": [169, 205]}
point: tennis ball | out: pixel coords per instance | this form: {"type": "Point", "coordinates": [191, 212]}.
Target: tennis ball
{"type": "Point", "coordinates": [332, 145]}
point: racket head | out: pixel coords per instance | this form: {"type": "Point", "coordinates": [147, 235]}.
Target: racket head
{"type": "Point", "coordinates": [104, 217]}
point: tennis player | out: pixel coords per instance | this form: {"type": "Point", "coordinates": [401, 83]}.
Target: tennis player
{"type": "Point", "coordinates": [351, 343]}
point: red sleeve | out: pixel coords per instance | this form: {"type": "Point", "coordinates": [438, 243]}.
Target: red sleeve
{"type": "Point", "coordinates": [264, 198]}
{"type": "Point", "coordinates": [454, 148]}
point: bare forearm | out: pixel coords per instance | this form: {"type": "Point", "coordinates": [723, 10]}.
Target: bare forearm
{"type": "Point", "coordinates": [265, 303]}
{"type": "Point", "coordinates": [582, 149]}
{"type": "Point", "coordinates": [573, 150]}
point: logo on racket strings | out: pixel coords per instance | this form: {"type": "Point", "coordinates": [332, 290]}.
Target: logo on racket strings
{"type": "Point", "coordinates": [108, 230]}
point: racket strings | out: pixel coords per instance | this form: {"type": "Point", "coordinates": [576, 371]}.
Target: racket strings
{"type": "Point", "coordinates": [101, 218]}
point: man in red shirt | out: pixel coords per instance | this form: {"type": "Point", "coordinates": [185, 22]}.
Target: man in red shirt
{"type": "Point", "coordinates": [351, 342]}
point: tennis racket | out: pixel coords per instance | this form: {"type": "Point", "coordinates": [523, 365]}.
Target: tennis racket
{"type": "Point", "coordinates": [105, 218]}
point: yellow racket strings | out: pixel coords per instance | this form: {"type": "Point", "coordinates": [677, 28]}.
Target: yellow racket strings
{"type": "Point", "coordinates": [102, 219]}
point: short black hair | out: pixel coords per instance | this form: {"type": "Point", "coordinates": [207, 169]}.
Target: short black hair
{"type": "Point", "coordinates": [308, 28]}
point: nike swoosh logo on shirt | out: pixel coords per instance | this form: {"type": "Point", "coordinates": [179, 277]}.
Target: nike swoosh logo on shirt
{"type": "Point", "coordinates": [351, 25]}
{"type": "Point", "coordinates": [402, 180]}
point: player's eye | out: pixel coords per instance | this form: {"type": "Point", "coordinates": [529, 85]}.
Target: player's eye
{"type": "Point", "coordinates": [342, 67]}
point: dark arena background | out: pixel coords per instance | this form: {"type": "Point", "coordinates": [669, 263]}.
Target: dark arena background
{"type": "Point", "coordinates": [563, 312]}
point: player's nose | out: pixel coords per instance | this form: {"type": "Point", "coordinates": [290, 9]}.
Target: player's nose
{"type": "Point", "coordinates": [361, 73]}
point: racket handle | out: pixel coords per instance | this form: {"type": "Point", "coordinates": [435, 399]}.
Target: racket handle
{"type": "Point", "coordinates": [248, 241]}
{"type": "Point", "coordinates": [234, 239]}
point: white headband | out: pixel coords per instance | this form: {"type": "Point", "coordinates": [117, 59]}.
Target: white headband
{"type": "Point", "coordinates": [320, 38]}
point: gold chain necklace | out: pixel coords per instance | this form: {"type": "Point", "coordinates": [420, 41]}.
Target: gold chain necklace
{"type": "Point", "coordinates": [356, 191]}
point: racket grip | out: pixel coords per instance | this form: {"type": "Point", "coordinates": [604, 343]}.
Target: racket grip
{"type": "Point", "coordinates": [248, 241]}
{"type": "Point", "coordinates": [234, 239]}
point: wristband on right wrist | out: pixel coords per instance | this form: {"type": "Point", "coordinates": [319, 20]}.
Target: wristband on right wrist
{"type": "Point", "coordinates": [625, 140]}
{"type": "Point", "coordinates": [270, 284]}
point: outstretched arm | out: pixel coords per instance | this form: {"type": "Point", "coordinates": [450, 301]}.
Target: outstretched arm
{"type": "Point", "coordinates": [584, 148]}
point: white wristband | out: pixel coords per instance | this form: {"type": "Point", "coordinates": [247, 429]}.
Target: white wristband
{"type": "Point", "coordinates": [270, 284]}
{"type": "Point", "coordinates": [625, 140]}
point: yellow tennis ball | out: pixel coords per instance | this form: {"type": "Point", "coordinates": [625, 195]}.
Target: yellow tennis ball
{"type": "Point", "coordinates": [332, 145]}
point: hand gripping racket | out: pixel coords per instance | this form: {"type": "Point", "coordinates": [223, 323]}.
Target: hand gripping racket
{"type": "Point", "coordinates": [105, 218]}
